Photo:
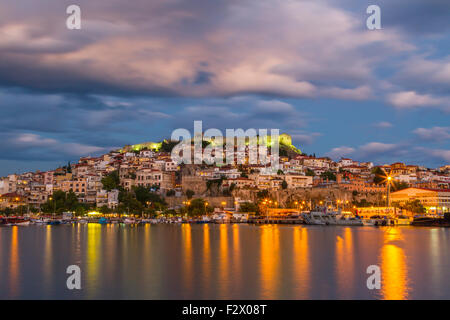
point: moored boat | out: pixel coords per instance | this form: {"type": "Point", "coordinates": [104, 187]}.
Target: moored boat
{"type": "Point", "coordinates": [129, 220]}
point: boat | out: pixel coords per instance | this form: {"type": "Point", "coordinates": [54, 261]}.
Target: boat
{"type": "Point", "coordinates": [314, 218]}
{"type": "Point", "coordinates": [324, 216]}
{"type": "Point", "coordinates": [40, 221]}
{"type": "Point", "coordinates": [16, 221]}
{"type": "Point", "coordinates": [347, 220]}
{"type": "Point", "coordinates": [403, 220]}
{"type": "Point", "coordinates": [377, 221]}
{"type": "Point", "coordinates": [129, 220]}
{"type": "Point", "coordinates": [368, 222]}
{"type": "Point", "coordinates": [54, 222]}
{"type": "Point", "coordinates": [22, 223]}
{"type": "Point", "coordinates": [103, 221]}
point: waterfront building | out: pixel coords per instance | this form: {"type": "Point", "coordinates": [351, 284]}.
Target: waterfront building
{"type": "Point", "coordinates": [434, 200]}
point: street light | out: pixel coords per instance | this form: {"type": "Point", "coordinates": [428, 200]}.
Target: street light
{"type": "Point", "coordinates": [389, 179]}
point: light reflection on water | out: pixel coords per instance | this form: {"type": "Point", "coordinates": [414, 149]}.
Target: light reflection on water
{"type": "Point", "coordinates": [223, 262]}
{"type": "Point", "coordinates": [393, 266]}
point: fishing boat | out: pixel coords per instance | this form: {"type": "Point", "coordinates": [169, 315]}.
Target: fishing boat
{"type": "Point", "coordinates": [16, 221]}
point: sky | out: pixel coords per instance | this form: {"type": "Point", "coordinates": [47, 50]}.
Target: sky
{"type": "Point", "coordinates": [137, 70]}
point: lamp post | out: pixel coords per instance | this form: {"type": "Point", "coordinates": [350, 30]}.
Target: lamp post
{"type": "Point", "coordinates": [54, 205]}
{"type": "Point", "coordinates": [388, 199]}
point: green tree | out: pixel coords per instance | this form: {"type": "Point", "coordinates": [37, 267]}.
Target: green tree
{"type": "Point", "coordinates": [61, 201]}
{"type": "Point", "coordinates": [310, 173]}
{"type": "Point", "coordinates": [284, 184]}
{"type": "Point", "coordinates": [167, 146]}
{"type": "Point", "coordinates": [198, 207]}
{"type": "Point", "coordinates": [248, 207]}
{"type": "Point", "coordinates": [380, 175]}
{"type": "Point", "coordinates": [399, 185]}
{"type": "Point", "coordinates": [414, 206]}
{"type": "Point", "coordinates": [111, 181]}
{"type": "Point", "coordinates": [328, 175]}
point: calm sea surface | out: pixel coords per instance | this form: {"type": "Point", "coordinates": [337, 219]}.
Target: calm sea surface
{"type": "Point", "coordinates": [223, 262]}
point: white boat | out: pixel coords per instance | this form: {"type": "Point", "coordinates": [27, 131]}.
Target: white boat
{"type": "Point", "coordinates": [326, 217]}
{"type": "Point", "coordinates": [23, 223]}
{"type": "Point", "coordinates": [83, 221]}
{"type": "Point", "coordinates": [368, 222]}
{"type": "Point", "coordinates": [346, 220]}
{"type": "Point", "coordinates": [315, 218]}
{"type": "Point", "coordinates": [376, 221]}
{"type": "Point", "coordinates": [129, 220]}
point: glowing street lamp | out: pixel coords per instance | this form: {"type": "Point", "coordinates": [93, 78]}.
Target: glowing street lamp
{"type": "Point", "coordinates": [388, 179]}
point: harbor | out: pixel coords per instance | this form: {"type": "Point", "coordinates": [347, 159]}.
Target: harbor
{"type": "Point", "coordinates": [320, 216]}
{"type": "Point", "coordinates": [223, 261]}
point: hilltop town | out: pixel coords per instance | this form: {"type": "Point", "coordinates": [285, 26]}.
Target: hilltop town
{"type": "Point", "coordinates": [143, 179]}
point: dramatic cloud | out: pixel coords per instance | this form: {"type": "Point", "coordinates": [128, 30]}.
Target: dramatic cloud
{"type": "Point", "coordinates": [243, 50]}
{"type": "Point", "coordinates": [137, 70]}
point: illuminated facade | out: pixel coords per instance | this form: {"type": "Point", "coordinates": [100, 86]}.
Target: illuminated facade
{"type": "Point", "coordinates": [434, 200]}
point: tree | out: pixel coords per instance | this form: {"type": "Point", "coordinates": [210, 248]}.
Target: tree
{"type": "Point", "coordinates": [167, 146]}
{"type": "Point", "coordinates": [399, 185]}
{"type": "Point", "coordinates": [380, 175]}
{"type": "Point", "coordinates": [111, 181]}
{"type": "Point", "coordinates": [189, 193]}
{"type": "Point", "coordinates": [198, 207]}
{"type": "Point", "coordinates": [280, 172]}
{"type": "Point", "coordinates": [129, 204]}
{"type": "Point", "coordinates": [310, 173]}
{"type": "Point", "coordinates": [248, 207]}
{"type": "Point", "coordinates": [414, 206]}
{"type": "Point", "coordinates": [61, 201]}
{"type": "Point", "coordinates": [170, 193]}
{"type": "Point", "coordinates": [284, 184]}
{"type": "Point", "coordinates": [328, 175]}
